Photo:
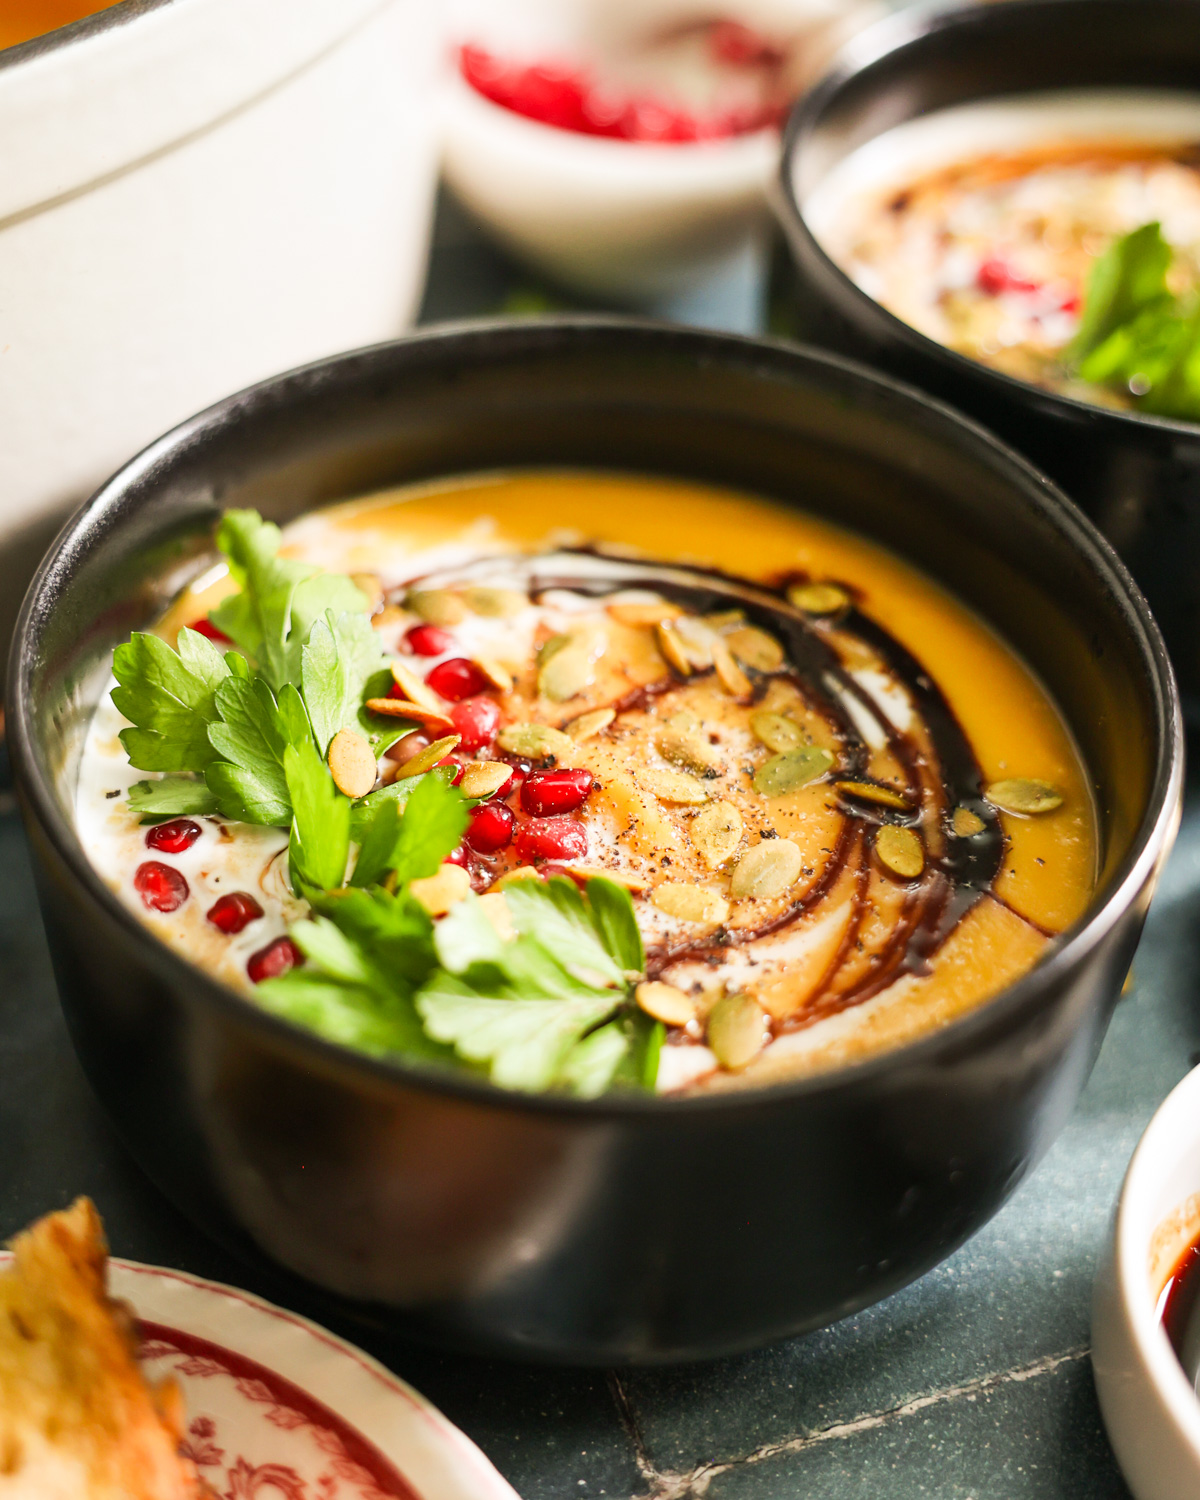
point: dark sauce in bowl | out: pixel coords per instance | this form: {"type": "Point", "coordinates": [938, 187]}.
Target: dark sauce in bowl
{"type": "Point", "coordinates": [1179, 1309]}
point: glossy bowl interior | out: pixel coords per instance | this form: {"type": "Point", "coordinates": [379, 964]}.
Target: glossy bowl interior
{"type": "Point", "coordinates": [1137, 476]}
{"type": "Point", "coordinates": [559, 1228]}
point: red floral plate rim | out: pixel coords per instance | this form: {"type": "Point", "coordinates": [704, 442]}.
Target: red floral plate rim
{"type": "Point", "coordinates": [279, 1408]}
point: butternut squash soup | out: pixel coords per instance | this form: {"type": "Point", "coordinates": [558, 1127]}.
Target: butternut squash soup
{"type": "Point", "coordinates": [22, 20]}
{"type": "Point", "coordinates": [693, 792]}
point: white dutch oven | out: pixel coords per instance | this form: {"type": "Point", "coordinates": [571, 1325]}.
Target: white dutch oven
{"type": "Point", "coordinates": [196, 194]}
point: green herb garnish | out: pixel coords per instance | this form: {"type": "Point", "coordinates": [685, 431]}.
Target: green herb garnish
{"type": "Point", "coordinates": [1136, 335]}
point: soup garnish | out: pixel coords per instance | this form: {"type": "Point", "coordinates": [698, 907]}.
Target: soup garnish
{"type": "Point", "coordinates": [581, 821]}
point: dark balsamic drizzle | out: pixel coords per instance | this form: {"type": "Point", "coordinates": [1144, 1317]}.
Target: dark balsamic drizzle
{"type": "Point", "coordinates": [954, 879]}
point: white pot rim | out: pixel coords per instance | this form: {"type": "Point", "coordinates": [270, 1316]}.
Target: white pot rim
{"type": "Point", "coordinates": [1174, 1128]}
{"type": "Point", "coordinates": [88, 101]}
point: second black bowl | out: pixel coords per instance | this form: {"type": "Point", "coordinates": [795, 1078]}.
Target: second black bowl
{"type": "Point", "coordinates": [1137, 476]}
{"type": "Point", "coordinates": [620, 1228]}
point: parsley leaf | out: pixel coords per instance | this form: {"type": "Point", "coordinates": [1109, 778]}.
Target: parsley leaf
{"type": "Point", "coordinates": [279, 600]}
{"type": "Point", "coordinates": [341, 656]}
{"type": "Point", "coordinates": [554, 914]}
{"type": "Point", "coordinates": [1130, 276]}
{"type": "Point", "coordinates": [169, 697]}
{"type": "Point", "coordinates": [250, 737]}
{"type": "Point", "coordinates": [407, 836]}
{"type": "Point", "coordinates": [172, 797]}
{"type": "Point", "coordinates": [320, 843]}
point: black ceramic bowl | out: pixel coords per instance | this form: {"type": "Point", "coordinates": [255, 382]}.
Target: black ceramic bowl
{"type": "Point", "coordinates": [625, 1229]}
{"type": "Point", "coordinates": [1137, 476]}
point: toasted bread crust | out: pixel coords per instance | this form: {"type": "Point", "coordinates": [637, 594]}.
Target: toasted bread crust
{"type": "Point", "coordinates": [78, 1419]}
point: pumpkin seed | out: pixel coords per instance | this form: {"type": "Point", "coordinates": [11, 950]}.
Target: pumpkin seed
{"type": "Point", "coordinates": [522, 872]}
{"type": "Point", "coordinates": [756, 649]}
{"type": "Point", "coordinates": [496, 673]}
{"type": "Point", "coordinates": [415, 688]}
{"type": "Point", "coordinates": [870, 791]}
{"type": "Point", "coordinates": [436, 606]}
{"type": "Point", "coordinates": [537, 742]}
{"type": "Point", "coordinates": [967, 823]}
{"type": "Point", "coordinates": [665, 1003]}
{"type": "Point", "coordinates": [697, 640]}
{"type": "Point", "coordinates": [636, 613]}
{"type": "Point", "coordinates": [426, 759]}
{"type": "Point", "coordinates": [587, 726]}
{"type": "Point", "coordinates": [483, 777]}
{"type": "Point", "coordinates": [438, 893]}
{"type": "Point", "coordinates": [900, 850]}
{"type": "Point", "coordinates": [776, 731]}
{"type": "Point", "coordinates": [716, 832]}
{"type": "Point", "coordinates": [672, 648]}
{"type": "Point", "coordinates": [397, 708]}
{"type": "Point", "coordinates": [766, 870]}
{"type": "Point", "coordinates": [685, 748]}
{"type": "Point", "coordinates": [593, 872]}
{"type": "Point", "coordinates": [493, 602]}
{"type": "Point", "coordinates": [729, 674]}
{"type": "Point", "coordinates": [791, 770]}
{"type": "Point", "coordinates": [674, 786]}
{"type": "Point", "coordinates": [818, 598]}
{"type": "Point", "coordinates": [352, 763]}
{"type": "Point", "coordinates": [567, 673]}
{"type": "Point", "coordinates": [737, 1031]}
{"type": "Point", "coordinates": [725, 619]}
{"type": "Point", "coordinates": [690, 903]}
{"type": "Point", "coordinates": [1024, 795]}
{"type": "Point", "coordinates": [369, 585]}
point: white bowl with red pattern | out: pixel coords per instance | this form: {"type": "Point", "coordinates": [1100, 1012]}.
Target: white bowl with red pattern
{"type": "Point", "coordinates": [635, 193]}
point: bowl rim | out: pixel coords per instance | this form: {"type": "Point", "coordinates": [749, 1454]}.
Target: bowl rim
{"type": "Point", "coordinates": [514, 337]}
{"type": "Point", "coordinates": [895, 34]}
{"type": "Point", "coordinates": [114, 15]}
{"type": "Point", "coordinates": [1171, 1130]}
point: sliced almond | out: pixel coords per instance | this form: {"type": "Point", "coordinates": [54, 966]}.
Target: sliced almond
{"type": "Point", "coordinates": [588, 726]}
{"type": "Point", "coordinates": [352, 763]}
{"type": "Point", "coordinates": [737, 1031]}
{"type": "Point", "coordinates": [697, 641]}
{"type": "Point", "coordinates": [665, 1003]}
{"type": "Point", "coordinates": [371, 586]}
{"type": "Point", "coordinates": [1024, 795]}
{"type": "Point", "coordinates": [818, 598]}
{"type": "Point", "coordinates": [438, 893]}
{"type": "Point", "coordinates": [537, 742]}
{"type": "Point", "coordinates": [729, 674]}
{"type": "Point", "coordinates": [766, 870]}
{"type": "Point", "coordinates": [674, 786]}
{"type": "Point", "coordinates": [496, 673]}
{"type": "Point", "coordinates": [684, 747]}
{"type": "Point", "coordinates": [426, 759]}
{"type": "Point", "coordinates": [522, 872]}
{"type": "Point", "coordinates": [690, 903]}
{"type": "Point", "coordinates": [398, 708]}
{"type": "Point", "coordinates": [646, 615]}
{"type": "Point", "coordinates": [967, 823]}
{"type": "Point", "coordinates": [716, 831]}
{"type": "Point", "coordinates": [494, 603]}
{"type": "Point", "coordinates": [674, 653]}
{"type": "Point", "coordinates": [415, 688]}
{"type": "Point", "coordinates": [483, 777]}
{"type": "Point", "coordinates": [755, 648]}
{"type": "Point", "coordinates": [870, 791]}
{"type": "Point", "coordinates": [900, 850]}
{"type": "Point", "coordinates": [495, 909]}
{"type": "Point", "coordinates": [436, 606]}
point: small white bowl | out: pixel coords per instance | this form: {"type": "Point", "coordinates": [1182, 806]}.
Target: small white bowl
{"type": "Point", "coordinates": [627, 220]}
{"type": "Point", "coordinates": [1150, 1407]}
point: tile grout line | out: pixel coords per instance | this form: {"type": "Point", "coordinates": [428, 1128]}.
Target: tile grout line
{"type": "Point", "coordinates": [667, 1484]}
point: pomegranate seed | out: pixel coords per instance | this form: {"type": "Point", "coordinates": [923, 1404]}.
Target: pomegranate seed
{"type": "Point", "coordinates": [206, 627]}
{"type": "Point", "coordinates": [490, 828]}
{"type": "Point", "coordinates": [173, 837]}
{"type": "Point", "coordinates": [160, 887]}
{"type": "Point", "coordinates": [476, 720]}
{"type": "Point", "coordinates": [545, 793]}
{"type": "Point", "coordinates": [233, 912]}
{"type": "Point", "coordinates": [1073, 303]}
{"type": "Point", "coordinates": [731, 42]}
{"type": "Point", "coordinates": [458, 856]}
{"type": "Point", "coordinates": [457, 679]}
{"type": "Point", "coordinates": [429, 640]}
{"type": "Point", "coordinates": [552, 838]}
{"type": "Point", "coordinates": [995, 276]}
{"type": "Point", "coordinates": [273, 960]}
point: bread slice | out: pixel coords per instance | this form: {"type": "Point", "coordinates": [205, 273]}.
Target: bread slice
{"type": "Point", "coordinates": [78, 1419]}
